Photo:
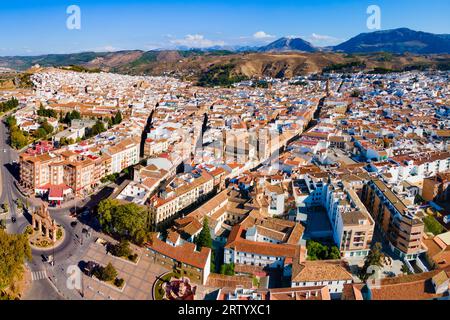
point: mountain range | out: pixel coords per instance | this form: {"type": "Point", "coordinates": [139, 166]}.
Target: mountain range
{"type": "Point", "coordinates": [397, 49]}
{"type": "Point", "coordinates": [397, 41]}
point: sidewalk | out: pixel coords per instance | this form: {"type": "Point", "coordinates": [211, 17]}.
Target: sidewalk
{"type": "Point", "coordinates": [35, 202]}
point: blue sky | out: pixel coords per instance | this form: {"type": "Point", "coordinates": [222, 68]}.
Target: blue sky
{"type": "Point", "coordinates": [39, 26]}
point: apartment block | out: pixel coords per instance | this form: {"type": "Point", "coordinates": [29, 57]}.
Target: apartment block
{"type": "Point", "coordinates": [399, 222]}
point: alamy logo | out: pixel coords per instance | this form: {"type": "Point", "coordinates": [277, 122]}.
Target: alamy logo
{"type": "Point", "coordinates": [74, 278]}
{"type": "Point", "coordinates": [73, 22]}
{"type": "Point", "coordinates": [374, 20]}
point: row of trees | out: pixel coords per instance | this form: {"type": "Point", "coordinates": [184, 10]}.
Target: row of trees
{"type": "Point", "coordinates": [18, 139]}
{"type": "Point", "coordinates": [69, 116]}
{"type": "Point", "coordinates": [75, 115]}
{"type": "Point", "coordinates": [47, 113]}
{"type": "Point", "coordinates": [9, 105]}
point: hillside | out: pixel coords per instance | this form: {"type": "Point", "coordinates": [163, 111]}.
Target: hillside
{"type": "Point", "coordinates": [397, 41]}
{"type": "Point", "coordinates": [226, 66]}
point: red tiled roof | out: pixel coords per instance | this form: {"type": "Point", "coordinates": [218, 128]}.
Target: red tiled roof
{"type": "Point", "coordinates": [185, 253]}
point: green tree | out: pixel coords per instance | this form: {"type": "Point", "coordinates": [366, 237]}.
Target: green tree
{"type": "Point", "coordinates": [405, 269]}
{"type": "Point", "coordinates": [126, 221]}
{"type": "Point", "coordinates": [11, 121]}
{"type": "Point", "coordinates": [48, 113]}
{"type": "Point", "coordinates": [117, 118]}
{"type": "Point", "coordinates": [63, 141]}
{"type": "Point", "coordinates": [122, 249]}
{"type": "Point", "coordinates": [204, 238]}
{"type": "Point", "coordinates": [374, 258]}
{"type": "Point", "coordinates": [316, 250]}
{"type": "Point", "coordinates": [40, 133]}
{"type": "Point", "coordinates": [18, 139]}
{"type": "Point", "coordinates": [74, 115]}
{"type": "Point", "coordinates": [47, 127]}
{"type": "Point", "coordinates": [108, 273]}
{"type": "Point", "coordinates": [9, 105]}
{"type": "Point", "coordinates": [98, 128]}
{"type": "Point", "coordinates": [14, 252]}
{"type": "Point", "coordinates": [335, 254]}
{"type": "Point", "coordinates": [227, 269]}
{"type": "Point", "coordinates": [19, 203]}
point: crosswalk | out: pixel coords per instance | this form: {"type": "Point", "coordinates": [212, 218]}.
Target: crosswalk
{"type": "Point", "coordinates": [38, 275]}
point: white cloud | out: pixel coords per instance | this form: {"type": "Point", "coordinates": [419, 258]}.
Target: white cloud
{"type": "Point", "coordinates": [110, 48]}
{"type": "Point", "coordinates": [261, 35]}
{"type": "Point", "coordinates": [197, 41]}
{"type": "Point", "coordinates": [106, 48]}
{"type": "Point", "coordinates": [323, 39]}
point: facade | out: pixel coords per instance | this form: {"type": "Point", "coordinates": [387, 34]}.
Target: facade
{"type": "Point", "coordinates": [184, 259]}
{"type": "Point", "coordinates": [403, 229]}
{"type": "Point", "coordinates": [437, 188]}
{"type": "Point", "coordinates": [351, 222]}
{"type": "Point", "coordinates": [263, 247]}
{"type": "Point", "coordinates": [183, 191]}
{"type": "Point", "coordinates": [124, 154]}
{"type": "Point", "coordinates": [39, 173]}
{"type": "Point", "coordinates": [334, 274]}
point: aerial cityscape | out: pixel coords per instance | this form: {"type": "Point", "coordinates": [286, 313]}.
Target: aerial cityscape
{"type": "Point", "coordinates": [259, 168]}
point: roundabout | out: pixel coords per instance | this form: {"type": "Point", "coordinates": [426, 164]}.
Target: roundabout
{"type": "Point", "coordinates": [38, 241]}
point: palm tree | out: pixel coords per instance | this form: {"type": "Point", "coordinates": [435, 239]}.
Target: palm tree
{"type": "Point", "coordinates": [374, 258]}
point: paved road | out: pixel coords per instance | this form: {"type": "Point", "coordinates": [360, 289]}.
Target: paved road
{"type": "Point", "coordinates": [73, 245]}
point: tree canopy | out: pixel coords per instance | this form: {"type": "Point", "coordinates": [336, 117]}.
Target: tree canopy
{"type": "Point", "coordinates": [227, 269]}
{"type": "Point", "coordinates": [14, 251]}
{"type": "Point", "coordinates": [117, 118]}
{"type": "Point", "coordinates": [71, 116]}
{"type": "Point", "coordinates": [318, 251]}
{"type": "Point", "coordinates": [122, 249]}
{"type": "Point", "coordinates": [18, 138]}
{"type": "Point", "coordinates": [9, 105]}
{"type": "Point", "coordinates": [47, 113]}
{"type": "Point", "coordinates": [98, 128]}
{"type": "Point", "coordinates": [374, 258]}
{"type": "Point", "coordinates": [126, 221]}
{"type": "Point", "coordinates": [204, 237]}
{"type": "Point", "coordinates": [108, 273]}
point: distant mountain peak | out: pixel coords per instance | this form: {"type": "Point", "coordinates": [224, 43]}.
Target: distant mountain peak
{"type": "Point", "coordinates": [289, 44]}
